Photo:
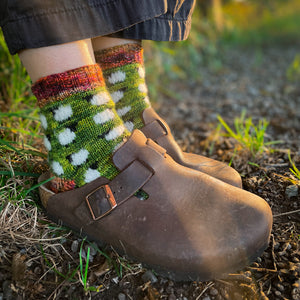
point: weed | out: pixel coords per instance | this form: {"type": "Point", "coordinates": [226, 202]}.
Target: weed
{"type": "Point", "coordinates": [293, 71]}
{"type": "Point", "coordinates": [84, 270]}
{"type": "Point", "coordinates": [249, 135]}
{"type": "Point", "coordinates": [294, 170]}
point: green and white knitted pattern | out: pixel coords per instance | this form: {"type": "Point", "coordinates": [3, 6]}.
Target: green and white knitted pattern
{"type": "Point", "coordinates": [124, 74]}
{"type": "Point", "coordinates": [82, 128]}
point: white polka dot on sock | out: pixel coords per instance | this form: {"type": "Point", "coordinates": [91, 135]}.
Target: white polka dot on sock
{"type": "Point", "coordinates": [114, 133]}
{"type": "Point", "coordinates": [63, 113]}
{"type": "Point", "coordinates": [117, 96]}
{"type": "Point", "coordinates": [100, 98]}
{"type": "Point", "coordinates": [80, 157]}
{"type": "Point", "coordinates": [43, 121]}
{"type": "Point", "coordinates": [141, 72]}
{"type": "Point", "coordinates": [143, 88]}
{"type": "Point", "coordinates": [91, 175]}
{"type": "Point", "coordinates": [129, 126]}
{"type": "Point", "coordinates": [66, 137]}
{"type": "Point", "coordinates": [57, 168]}
{"type": "Point", "coordinates": [47, 143]}
{"type": "Point", "coordinates": [118, 76]}
{"type": "Point", "coordinates": [104, 116]}
{"type": "Point", "coordinates": [124, 110]}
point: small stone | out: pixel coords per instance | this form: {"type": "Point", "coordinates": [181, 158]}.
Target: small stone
{"type": "Point", "coordinates": [207, 298]}
{"type": "Point", "coordinates": [7, 291]}
{"type": "Point", "coordinates": [276, 246]}
{"type": "Point", "coordinates": [213, 292]}
{"type": "Point", "coordinates": [83, 254]}
{"type": "Point", "coordinates": [122, 296]}
{"type": "Point", "coordinates": [295, 259]}
{"type": "Point", "coordinates": [277, 293]}
{"type": "Point", "coordinates": [74, 246]}
{"type": "Point", "coordinates": [149, 276]}
{"type": "Point", "coordinates": [115, 280]}
{"type": "Point", "coordinates": [1, 296]}
{"type": "Point", "coordinates": [259, 260]}
{"type": "Point", "coordinates": [291, 191]}
{"type": "Point", "coordinates": [37, 270]}
{"type": "Point", "coordinates": [172, 297]}
{"type": "Point", "coordinates": [280, 287]}
{"type": "Point", "coordinates": [63, 240]}
{"type": "Point", "coordinates": [93, 248]}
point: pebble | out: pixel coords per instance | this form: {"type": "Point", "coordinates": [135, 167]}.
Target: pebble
{"type": "Point", "coordinates": [213, 292]}
{"type": "Point", "coordinates": [83, 254]}
{"type": "Point", "coordinates": [115, 280]}
{"type": "Point", "coordinates": [172, 297]}
{"type": "Point", "coordinates": [37, 270]}
{"type": "Point", "coordinates": [206, 298]}
{"type": "Point", "coordinates": [1, 296]}
{"type": "Point", "coordinates": [149, 276]}
{"type": "Point", "coordinates": [7, 291]}
{"type": "Point", "coordinates": [122, 296]}
{"type": "Point", "coordinates": [74, 246]}
{"type": "Point", "coordinates": [93, 248]}
{"type": "Point", "coordinates": [280, 287]}
{"type": "Point", "coordinates": [291, 191]}
{"type": "Point", "coordinates": [276, 246]}
{"type": "Point", "coordinates": [277, 293]}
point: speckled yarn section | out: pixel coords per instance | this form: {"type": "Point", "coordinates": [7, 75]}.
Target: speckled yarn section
{"type": "Point", "coordinates": [82, 127]}
{"type": "Point", "coordinates": [124, 74]}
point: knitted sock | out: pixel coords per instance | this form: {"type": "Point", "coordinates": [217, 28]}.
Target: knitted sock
{"type": "Point", "coordinates": [124, 74]}
{"type": "Point", "coordinates": [82, 128]}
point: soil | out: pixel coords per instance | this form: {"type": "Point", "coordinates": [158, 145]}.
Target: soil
{"type": "Point", "coordinates": [252, 80]}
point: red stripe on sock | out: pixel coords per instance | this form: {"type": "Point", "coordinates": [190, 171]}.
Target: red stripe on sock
{"type": "Point", "coordinates": [59, 86]}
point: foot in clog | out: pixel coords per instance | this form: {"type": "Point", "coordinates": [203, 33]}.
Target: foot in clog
{"type": "Point", "coordinates": [124, 74]}
{"type": "Point", "coordinates": [191, 226]}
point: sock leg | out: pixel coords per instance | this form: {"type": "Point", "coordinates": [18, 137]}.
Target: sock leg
{"type": "Point", "coordinates": [124, 74]}
{"type": "Point", "coordinates": [82, 128]}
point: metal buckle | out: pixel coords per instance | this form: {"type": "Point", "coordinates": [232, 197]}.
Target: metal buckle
{"type": "Point", "coordinates": [108, 196]}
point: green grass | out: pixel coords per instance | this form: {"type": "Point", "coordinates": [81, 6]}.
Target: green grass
{"type": "Point", "coordinates": [294, 170]}
{"type": "Point", "coordinates": [293, 71]}
{"type": "Point", "coordinates": [248, 135]}
{"type": "Point", "coordinates": [254, 23]}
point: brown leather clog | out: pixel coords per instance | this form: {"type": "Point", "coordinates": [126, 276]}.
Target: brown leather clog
{"type": "Point", "coordinates": [191, 227]}
{"type": "Point", "coordinates": [158, 130]}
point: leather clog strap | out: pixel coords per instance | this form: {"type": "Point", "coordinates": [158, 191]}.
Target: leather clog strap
{"type": "Point", "coordinates": [155, 129]}
{"type": "Point", "coordinates": [105, 198]}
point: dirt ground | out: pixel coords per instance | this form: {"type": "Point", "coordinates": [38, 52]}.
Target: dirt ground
{"type": "Point", "coordinates": [254, 80]}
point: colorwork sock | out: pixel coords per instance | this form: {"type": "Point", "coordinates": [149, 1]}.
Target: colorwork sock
{"type": "Point", "coordinates": [124, 74]}
{"type": "Point", "coordinates": [82, 128]}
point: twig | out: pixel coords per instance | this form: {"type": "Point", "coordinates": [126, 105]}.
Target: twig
{"type": "Point", "coordinates": [287, 213]}
{"type": "Point", "coordinates": [239, 277]}
{"type": "Point", "coordinates": [204, 290]}
{"type": "Point", "coordinates": [263, 270]}
{"type": "Point", "coordinates": [277, 165]}
{"type": "Point", "coordinates": [56, 289]}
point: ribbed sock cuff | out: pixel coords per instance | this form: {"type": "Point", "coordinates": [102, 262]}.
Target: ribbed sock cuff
{"type": "Point", "coordinates": [119, 56]}
{"type": "Point", "coordinates": [61, 85]}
